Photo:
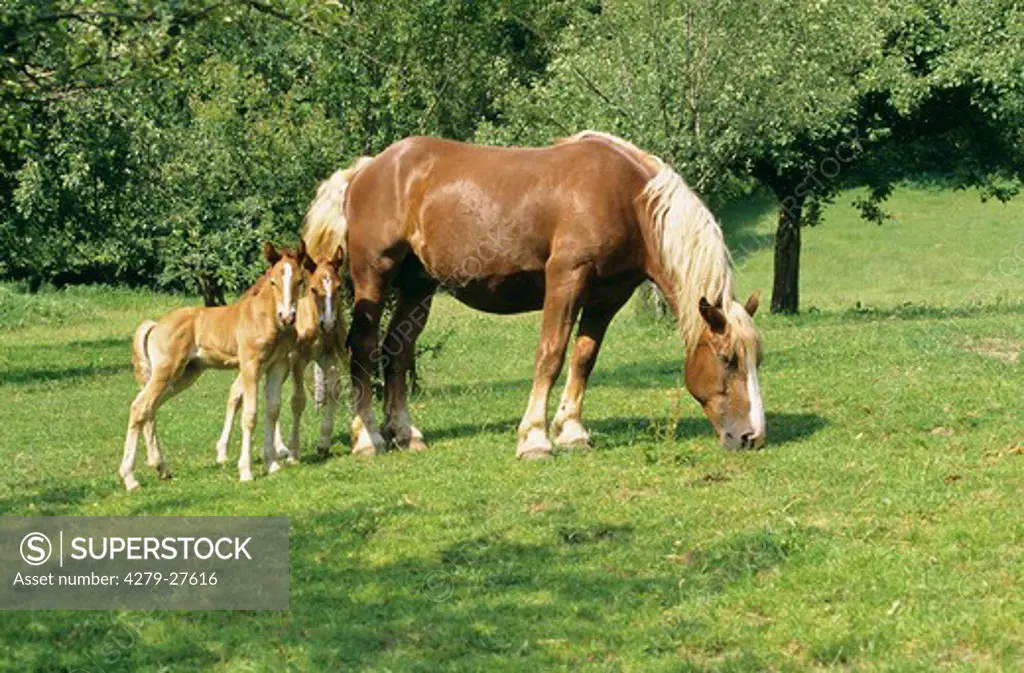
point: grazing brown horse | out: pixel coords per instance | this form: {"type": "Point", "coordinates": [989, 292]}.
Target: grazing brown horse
{"type": "Point", "coordinates": [320, 335]}
{"type": "Point", "coordinates": [571, 229]}
{"type": "Point", "coordinates": [255, 334]}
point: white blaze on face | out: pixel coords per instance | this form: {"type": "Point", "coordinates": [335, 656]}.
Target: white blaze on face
{"type": "Point", "coordinates": [328, 316]}
{"type": "Point", "coordinates": [754, 395]}
{"type": "Point", "coordinates": [286, 298]}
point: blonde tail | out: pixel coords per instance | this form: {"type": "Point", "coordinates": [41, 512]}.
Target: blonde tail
{"type": "Point", "coordinates": [140, 355]}
{"type": "Point", "coordinates": [326, 227]}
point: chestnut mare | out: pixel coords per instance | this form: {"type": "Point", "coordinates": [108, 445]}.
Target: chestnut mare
{"type": "Point", "coordinates": [571, 229]}
{"type": "Point", "coordinates": [256, 335]}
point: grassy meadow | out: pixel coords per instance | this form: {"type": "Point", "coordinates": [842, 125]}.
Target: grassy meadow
{"type": "Point", "coordinates": [880, 529]}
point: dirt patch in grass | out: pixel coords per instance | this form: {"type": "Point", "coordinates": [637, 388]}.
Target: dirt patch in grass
{"type": "Point", "coordinates": [1005, 350]}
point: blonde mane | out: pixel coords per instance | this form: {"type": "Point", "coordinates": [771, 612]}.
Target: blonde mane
{"type": "Point", "coordinates": [691, 246]}
{"type": "Point", "coordinates": [325, 225]}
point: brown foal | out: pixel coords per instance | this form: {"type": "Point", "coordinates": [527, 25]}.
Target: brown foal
{"type": "Point", "coordinates": [256, 334]}
{"type": "Point", "coordinates": [571, 229]}
{"type": "Point", "coordinates": [319, 336]}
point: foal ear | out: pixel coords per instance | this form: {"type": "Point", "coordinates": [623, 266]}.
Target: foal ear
{"type": "Point", "coordinates": [339, 257]}
{"type": "Point", "coordinates": [752, 303]}
{"type": "Point", "coordinates": [309, 264]}
{"type": "Point", "coordinates": [270, 253]}
{"type": "Point", "coordinates": [712, 315]}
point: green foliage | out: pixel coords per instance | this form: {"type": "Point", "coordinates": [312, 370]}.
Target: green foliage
{"type": "Point", "coordinates": [157, 143]}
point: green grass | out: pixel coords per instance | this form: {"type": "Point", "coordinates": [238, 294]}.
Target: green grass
{"type": "Point", "coordinates": [880, 529]}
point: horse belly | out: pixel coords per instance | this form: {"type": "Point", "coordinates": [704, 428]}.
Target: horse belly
{"type": "Point", "coordinates": [513, 293]}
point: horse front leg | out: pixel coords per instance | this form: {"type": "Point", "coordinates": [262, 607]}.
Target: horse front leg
{"type": "Point", "coordinates": [276, 374]}
{"type": "Point", "coordinates": [407, 323]}
{"type": "Point", "coordinates": [561, 306]}
{"type": "Point", "coordinates": [362, 340]}
{"type": "Point", "coordinates": [298, 366]}
{"type": "Point", "coordinates": [329, 366]}
{"type": "Point", "coordinates": [567, 426]}
{"type": "Point", "coordinates": [250, 372]}
{"type": "Point", "coordinates": [234, 401]}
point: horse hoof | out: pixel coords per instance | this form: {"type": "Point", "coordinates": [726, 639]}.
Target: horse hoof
{"type": "Point", "coordinates": [535, 447]}
{"type": "Point", "coordinates": [572, 436]}
{"type": "Point", "coordinates": [412, 443]}
{"type": "Point", "coordinates": [166, 475]}
{"type": "Point", "coordinates": [245, 476]}
{"type": "Point", "coordinates": [368, 444]}
{"type": "Point", "coordinates": [535, 454]}
{"type": "Point", "coordinates": [291, 460]}
{"type": "Point", "coordinates": [274, 467]}
{"type": "Point", "coordinates": [323, 452]}
{"type": "Point", "coordinates": [131, 484]}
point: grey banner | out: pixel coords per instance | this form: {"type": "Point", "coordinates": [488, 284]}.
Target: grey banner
{"type": "Point", "coordinates": [143, 563]}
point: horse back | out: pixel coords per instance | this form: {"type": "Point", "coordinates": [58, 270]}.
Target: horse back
{"type": "Point", "coordinates": [509, 210]}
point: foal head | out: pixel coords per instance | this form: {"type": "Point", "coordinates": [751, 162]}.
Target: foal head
{"type": "Point", "coordinates": [286, 280]}
{"type": "Point", "coordinates": [325, 288]}
{"type": "Point", "coordinates": [721, 372]}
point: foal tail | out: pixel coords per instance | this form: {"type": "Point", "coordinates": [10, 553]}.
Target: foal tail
{"type": "Point", "coordinates": [325, 227]}
{"type": "Point", "coordinates": [140, 352]}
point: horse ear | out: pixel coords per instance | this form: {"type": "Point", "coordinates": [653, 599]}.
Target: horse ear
{"type": "Point", "coordinates": [270, 253]}
{"type": "Point", "coordinates": [752, 303]}
{"type": "Point", "coordinates": [712, 315]}
{"type": "Point", "coordinates": [339, 257]}
{"type": "Point", "coordinates": [300, 251]}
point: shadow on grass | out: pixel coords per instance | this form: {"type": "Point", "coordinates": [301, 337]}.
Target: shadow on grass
{"type": "Point", "coordinates": [52, 501]}
{"type": "Point", "coordinates": [783, 428]}
{"type": "Point", "coordinates": [25, 377]}
{"type": "Point", "coordinates": [739, 219]}
{"type": "Point", "coordinates": [481, 602]}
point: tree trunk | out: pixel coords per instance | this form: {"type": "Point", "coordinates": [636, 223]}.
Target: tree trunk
{"type": "Point", "coordinates": [213, 293]}
{"type": "Point", "coordinates": [786, 287]}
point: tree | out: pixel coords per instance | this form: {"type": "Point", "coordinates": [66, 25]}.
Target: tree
{"type": "Point", "coordinates": [806, 98]}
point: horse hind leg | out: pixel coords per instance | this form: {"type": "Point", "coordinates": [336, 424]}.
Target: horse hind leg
{"type": "Point", "coordinates": [407, 323]}
{"type": "Point", "coordinates": [155, 457]}
{"type": "Point", "coordinates": [142, 417]}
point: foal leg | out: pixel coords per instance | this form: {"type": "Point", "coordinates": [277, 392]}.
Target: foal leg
{"type": "Point", "coordinates": [276, 375]}
{"type": "Point", "coordinates": [143, 415]}
{"type": "Point", "coordinates": [234, 401]}
{"type": "Point", "coordinates": [298, 406]}
{"type": "Point", "coordinates": [567, 427]}
{"type": "Point", "coordinates": [407, 323]}
{"type": "Point", "coordinates": [561, 305]}
{"type": "Point", "coordinates": [362, 338]}
{"type": "Point", "coordinates": [154, 457]}
{"type": "Point", "coordinates": [329, 366]}
{"type": "Point", "coordinates": [250, 380]}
